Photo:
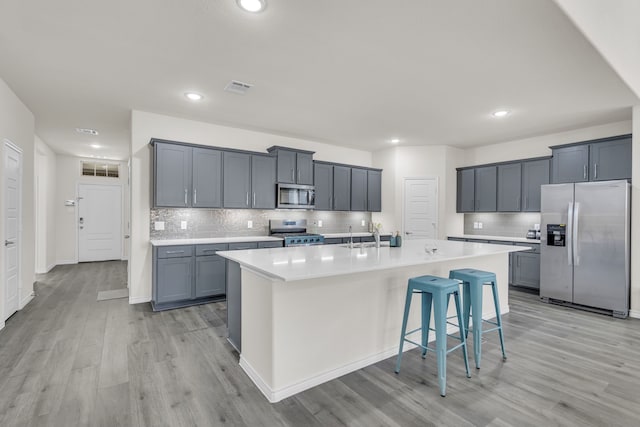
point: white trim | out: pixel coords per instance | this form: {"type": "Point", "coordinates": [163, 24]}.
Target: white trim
{"type": "Point", "coordinates": [50, 267]}
{"type": "Point", "coordinates": [99, 184]}
{"type": "Point", "coordinates": [276, 395]}
{"type": "Point", "coordinates": [138, 300]}
{"type": "Point", "coordinates": [634, 313]}
{"type": "Point", "coordinates": [1, 325]}
{"type": "Point", "coordinates": [65, 262]}
{"type": "Point", "coordinates": [26, 300]}
{"type": "Point", "coordinates": [3, 283]}
{"type": "Point", "coordinates": [404, 186]}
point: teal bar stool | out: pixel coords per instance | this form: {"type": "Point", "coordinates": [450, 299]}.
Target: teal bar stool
{"type": "Point", "coordinates": [434, 290]}
{"type": "Point", "coordinates": [473, 282]}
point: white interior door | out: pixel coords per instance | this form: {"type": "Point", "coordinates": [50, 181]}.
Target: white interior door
{"type": "Point", "coordinates": [420, 208]}
{"type": "Point", "coordinates": [12, 242]}
{"type": "Point", "coordinates": [99, 222]}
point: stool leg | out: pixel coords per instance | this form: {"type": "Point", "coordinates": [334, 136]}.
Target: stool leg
{"type": "Point", "coordinates": [440, 318]}
{"type": "Point", "coordinates": [496, 302]}
{"type": "Point", "coordinates": [476, 315]}
{"type": "Point", "coordinates": [466, 302]}
{"type": "Point", "coordinates": [407, 306]}
{"type": "Point", "coordinates": [426, 320]}
{"type": "Point", "coordinates": [456, 297]}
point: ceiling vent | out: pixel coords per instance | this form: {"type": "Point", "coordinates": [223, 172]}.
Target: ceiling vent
{"type": "Point", "coordinates": [237, 87]}
{"type": "Point", "coordinates": [87, 131]}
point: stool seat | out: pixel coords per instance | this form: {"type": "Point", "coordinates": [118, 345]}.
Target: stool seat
{"type": "Point", "coordinates": [436, 291]}
{"type": "Point", "coordinates": [473, 281]}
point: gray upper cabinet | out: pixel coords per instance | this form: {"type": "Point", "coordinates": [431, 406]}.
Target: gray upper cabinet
{"type": "Point", "coordinates": [263, 182]}
{"type": "Point", "coordinates": [466, 191]}
{"type": "Point", "coordinates": [294, 166]}
{"type": "Point", "coordinates": [610, 159]}
{"type": "Point", "coordinates": [374, 191]}
{"type": "Point", "coordinates": [323, 179]}
{"type": "Point", "coordinates": [485, 191]}
{"type": "Point", "coordinates": [570, 164]}
{"type": "Point", "coordinates": [341, 188]}
{"type": "Point", "coordinates": [207, 178]}
{"type": "Point", "coordinates": [172, 170]}
{"type": "Point", "coordinates": [358, 189]}
{"type": "Point", "coordinates": [509, 187]}
{"type": "Point", "coordinates": [237, 179]}
{"type": "Point", "coordinates": [535, 173]}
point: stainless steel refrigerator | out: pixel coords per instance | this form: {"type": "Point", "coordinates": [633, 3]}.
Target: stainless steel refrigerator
{"type": "Point", "coordinates": [584, 244]}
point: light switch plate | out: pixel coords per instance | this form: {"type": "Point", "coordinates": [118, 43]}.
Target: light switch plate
{"type": "Point", "coordinates": [249, 224]}
{"type": "Point", "coordinates": [158, 225]}
{"type": "Point", "coordinates": [362, 223]}
{"type": "Point", "coordinates": [319, 223]}
{"type": "Point", "coordinates": [475, 225]}
{"type": "Point", "coordinates": [183, 225]}
{"type": "Point", "coordinates": [479, 225]}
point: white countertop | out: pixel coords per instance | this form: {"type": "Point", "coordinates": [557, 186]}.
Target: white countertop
{"type": "Point", "coordinates": [501, 238]}
{"type": "Point", "coordinates": [309, 262]}
{"type": "Point", "coordinates": [208, 240]}
{"type": "Point", "coordinates": [332, 235]}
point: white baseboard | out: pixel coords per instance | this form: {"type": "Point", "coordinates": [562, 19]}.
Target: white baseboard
{"type": "Point", "coordinates": [277, 395]}
{"type": "Point", "coordinates": [2, 325]}
{"type": "Point", "coordinates": [66, 262]}
{"type": "Point", "coordinates": [26, 300]}
{"type": "Point", "coordinates": [138, 300]}
{"type": "Point", "coordinates": [634, 313]}
{"type": "Point", "coordinates": [50, 267]}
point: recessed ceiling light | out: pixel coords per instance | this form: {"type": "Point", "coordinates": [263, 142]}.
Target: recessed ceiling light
{"type": "Point", "coordinates": [394, 141]}
{"type": "Point", "coordinates": [87, 131]}
{"type": "Point", "coordinates": [252, 5]}
{"type": "Point", "coordinates": [95, 145]}
{"type": "Point", "coordinates": [500, 113]}
{"type": "Point", "coordinates": [193, 96]}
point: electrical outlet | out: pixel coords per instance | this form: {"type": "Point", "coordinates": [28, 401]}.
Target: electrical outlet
{"type": "Point", "coordinates": [183, 225]}
{"type": "Point", "coordinates": [319, 223]}
{"type": "Point", "coordinates": [158, 225]}
{"type": "Point", "coordinates": [249, 224]}
{"type": "Point", "coordinates": [480, 225]}
{"type": "Point", "coordinates": [362, 223]}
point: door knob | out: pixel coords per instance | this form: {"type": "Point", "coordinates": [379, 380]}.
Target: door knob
{"type": "Point", "coordinates": [9, 243]}
{"type": "Point", "coordinates": [408, 232]}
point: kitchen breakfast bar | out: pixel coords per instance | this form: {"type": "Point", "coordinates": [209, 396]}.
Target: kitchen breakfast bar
{"type": "Point", "coordinates": [313, 313]}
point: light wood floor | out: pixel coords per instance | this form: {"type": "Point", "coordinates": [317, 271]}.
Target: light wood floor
{"type": "Point", "coordinates": [67, 360]}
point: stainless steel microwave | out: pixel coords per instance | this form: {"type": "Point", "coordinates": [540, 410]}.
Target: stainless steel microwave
{"type": "Point", "coordinates": [293, 196]}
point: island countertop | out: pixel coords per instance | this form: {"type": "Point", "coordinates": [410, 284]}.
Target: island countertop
{"type": "Point", "coordinates": [310, 262]}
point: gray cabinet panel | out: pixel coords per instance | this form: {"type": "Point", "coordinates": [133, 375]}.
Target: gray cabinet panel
{"type": "Point", "coordinates": [341, 188]}
{"type": "Point", "coordinates": [358, 189]}
{"type": "Point", "coordinates": [570, 164]}
{"type": "Point", "coordinates": [611, 160]}
{"type": "Point", "coordinates": [323, 179]}
{"type": "Point", "coordinates": [304, 168]}
{"type": "Point", "coordinates": [210, 249]}
{"type": "Point", "coordinates": [211, 277]}
{"type": "Point", "coordinates": [237, 183]}
{"type": "Point", "coordinates": [526, 269]}
{"type": "Point", "coordinates": [242, 246]}
{"type": "Point", "coordinates": [207, 178]}
{"type": "Point", "coordinates": [266, 245]}
{"type": "Point", "coordinates": [286, 166]}
{"type": "Point", "coordinates": [172, 167]}
{"type": "Point", "coordinates": [534, 174]}
{"type": "Point", "coordinates": [509, 187]}
{"type": "Point", "coordinates": [263, 182]}
{"type": "Point", "coordinates": [332, 240]}
{"type": "Point", "coordinates": [374, 191]}
{"type": "Point", "coordinates": [466, 191]}
{"type": "Point", "coordinates": [174, 279]}
{"type": "Point", "coordinates": [485, 191]}
{"type": "Point", "coordinates": [234, 300]}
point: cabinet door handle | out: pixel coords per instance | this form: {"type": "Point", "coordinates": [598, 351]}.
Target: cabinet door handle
{"type": "Point", "coordinates": [584, 171]}
{"type": "Point", "coordinates": [195, 196]}
{"type": "Point", "coordinates": [595, 170]}
{"type": "Point", "coordinates": [209, 250]}
{"type": "Point", "coordinates": [517, 203]}
{"type": "Point", "coordinates": [293, 177]}
{"type": "Point", "coordinates": [254, 199]}
{"type": "Point", "coordinates": [247, 199]}
{"type": "Point", "coordinates": [175, 252]}
{"type": "Point", "coordinates": [185, 197]}
{"type": "Point", "coordinates": [526, 202]}
{"type": "Point", "coordinates": [298, 175]}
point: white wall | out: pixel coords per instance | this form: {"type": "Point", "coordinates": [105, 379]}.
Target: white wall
{"type": "Point", "coordinates": [17, 125]}
{"type": "Point", "coordinates": [45, 191]}
{"type": "Point", "coordinates": [145, 126]}
{"type": "Point", "coordinates": [68, 176]}
{"type": "Point", "coordinates": [612, 26]}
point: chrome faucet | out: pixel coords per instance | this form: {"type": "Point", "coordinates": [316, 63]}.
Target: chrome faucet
{"type": "Point", "coordinates": [350, 238]}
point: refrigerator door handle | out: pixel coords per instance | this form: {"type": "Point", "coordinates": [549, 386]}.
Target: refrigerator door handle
{"type": "Point", "coordinates": [569, 242]}
{"type": "Point", "coordinates": [574, 234]}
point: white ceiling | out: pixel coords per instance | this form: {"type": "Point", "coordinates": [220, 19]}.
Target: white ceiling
{"type": "Point", "coordinates": [353, 73]}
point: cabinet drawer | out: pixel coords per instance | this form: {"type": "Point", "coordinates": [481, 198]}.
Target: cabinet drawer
{"type": "Point", "coordinates": [332, 240]}
{"type": "Point", "coordinates": [243, 245]}
{"type": "Point", "coordinates": [210, 249]}
{"type": "Point", "coordinates": [175, 251]}
{"type": "Point", "coordinates": [265, 245]}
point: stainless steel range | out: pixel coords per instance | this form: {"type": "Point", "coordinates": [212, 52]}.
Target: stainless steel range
{"type": "Point", "coordinates": [294, 232]}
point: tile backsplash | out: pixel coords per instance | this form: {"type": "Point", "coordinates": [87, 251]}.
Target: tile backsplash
{"type": "Point", "coordinates": [501, 224]}
{"type": "Point", "coordinates": [233, 222]}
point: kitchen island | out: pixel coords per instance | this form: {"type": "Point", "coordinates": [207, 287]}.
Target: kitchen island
{"type": "Point", "coordinates": [310, 314]}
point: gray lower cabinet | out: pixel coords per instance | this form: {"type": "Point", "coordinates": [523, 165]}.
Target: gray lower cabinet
{"type": "Point", "coordinates": [509, 187]}
{"type": "Point", "coordinates": [323, 181]}
{"type": "Point", "coordinates": [341, 188]}
{"type": "Point", "coordinates": [211, 276]}
{"type": "Point", "coordinates": [570, 164]}
{"type": "Point", "coordinates": [610, 159]}
{"type": "Point", "coordinates": [535, 173]}
{"type": "Point", "coordinates": [358, 189]}
{"type": "Point", "coordinates": [374, 191]}
{"type": "Point", "coordinates": [263, 182]}
{"type": "Point", "coordinates": [237, 179]}
{"type": "Point", "coordinates": [332, 240]}
{"type": "Point", "coordinates": [172, 175]}
{"type": "Point", "coordinates": [526, 270]}
{"type": "Point", "coordinates": [465, 201]}
{"type": "Point", "coordinates": [174, 279]}
{"type": "Point", "coordinates": [485, 189]}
